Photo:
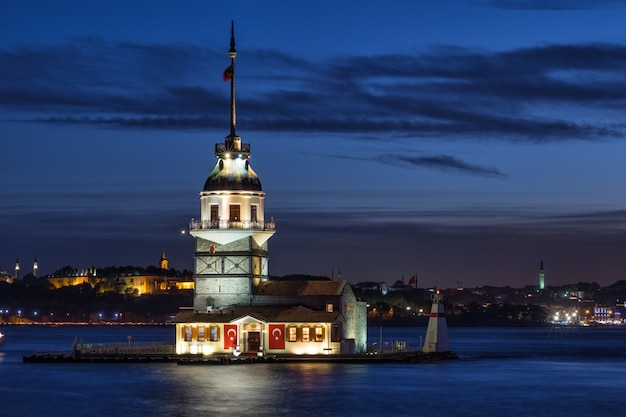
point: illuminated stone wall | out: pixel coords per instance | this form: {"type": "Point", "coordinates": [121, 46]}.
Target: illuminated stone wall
{"type": "Point", "coordinates": [226, 274]}
{"type": "Point", "coordinates": [355, 313]}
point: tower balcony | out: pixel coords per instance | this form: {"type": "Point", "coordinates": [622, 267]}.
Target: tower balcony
{"type": "Point", "coordinates": [231, 224]}
{"type": "Point", "coordinates": [221, 148]}
{"type": "Point", "coordinates": [233, 150]}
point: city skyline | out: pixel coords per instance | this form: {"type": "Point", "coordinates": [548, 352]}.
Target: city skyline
{"type": "Point", "coordinates": [462, 141]}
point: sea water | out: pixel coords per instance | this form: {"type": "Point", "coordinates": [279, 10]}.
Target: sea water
{"type": "Point", "coordinates": [548, 371]}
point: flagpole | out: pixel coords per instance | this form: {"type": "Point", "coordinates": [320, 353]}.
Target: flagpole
{"type": "Point", "coordinates": [232, 53]}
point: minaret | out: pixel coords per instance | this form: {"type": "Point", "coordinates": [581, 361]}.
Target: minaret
{"type": "Point", "coordinates": [437, 331]}
{"type": "Point", "coordinates": [164, 263]}
{"type": "Point", "coordinates": [35, 268]}
{"type": "Point", "coordinates": [17, 269]}
{"type": "Point", "coordinates": [231, 257]}
{"type": "Point", "coordinates": [542, 276]}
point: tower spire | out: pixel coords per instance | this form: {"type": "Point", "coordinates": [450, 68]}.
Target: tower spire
{"type": "Point", "coordinates": [542, 276]}
{"type": "Point", "coordinates": [17, 269]}
{"type": "Point", "coordinates": [232, 53]}
{"type": "Point", "coordinates": [163, 262]}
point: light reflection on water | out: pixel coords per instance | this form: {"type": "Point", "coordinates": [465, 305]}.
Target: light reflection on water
{"type": "Point", "coordinates": [557, 372]}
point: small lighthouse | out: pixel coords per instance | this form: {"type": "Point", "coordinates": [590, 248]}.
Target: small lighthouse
{"type": "Point", "coordinates": [35, 268]}
{"type": "Point", "coordinates": [437, 332]}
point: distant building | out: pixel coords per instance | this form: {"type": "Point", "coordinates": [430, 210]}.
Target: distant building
{"type": "Point", "coordinates": [542, 276]}
{"type": "Point", "coordinates": [129, 283]}
{"type": "Point", "coordinates": [5, 277]}
{"type": "Point", "coordinates": [69, 277]}
{"type": "Point", "coordinates": [236, 307]}
{"type": "Point", "coordinates": [381, 287]}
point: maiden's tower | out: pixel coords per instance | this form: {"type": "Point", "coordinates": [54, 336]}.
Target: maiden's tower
{"type": "Point", "coordinates": [236, 307]}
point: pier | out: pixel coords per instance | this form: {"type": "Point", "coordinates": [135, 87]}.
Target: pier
{"type": "Point", "coordinates": [110, 352]}
{"type": "Point", "coordinates": [166, 354]}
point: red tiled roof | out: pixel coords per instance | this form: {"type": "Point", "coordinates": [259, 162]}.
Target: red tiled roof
{"type": "Point", "coordinates": [300, 288]}
{"type": "Point", "coordinates": [277, 314]}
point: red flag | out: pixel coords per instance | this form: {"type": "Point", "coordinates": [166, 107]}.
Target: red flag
{"type": "Point", "coordinates": [228, 73]}
{"type": "Point", "coordinates": [277, 336]}
{"type": "Point", "coordinates": [230, 336]}
{"type": "Point", "coordinates": [412, 280]}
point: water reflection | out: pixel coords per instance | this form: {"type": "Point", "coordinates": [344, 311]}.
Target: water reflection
{"type": "Point", "coordinates": [257, 389]}
{"type": "Point", "coordinates": [505, 371]}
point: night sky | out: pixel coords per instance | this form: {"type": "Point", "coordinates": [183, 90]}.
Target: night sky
{"type": "Point", "coordinates": [461, 141]}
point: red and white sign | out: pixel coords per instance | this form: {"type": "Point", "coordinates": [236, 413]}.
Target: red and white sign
{"type": "Point", "coordinates": [231, 339]}
{"type": "Point", "coordinates": [277, 336]}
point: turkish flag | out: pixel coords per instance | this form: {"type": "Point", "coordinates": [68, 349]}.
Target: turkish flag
{"type": "Point", "coordinates": [231, 340]}
{"type": "Point", "coordinates": [412, 280]}
{"type": "Point", "coordinates": [228, 73]}
{"type": "Point", "coordinates": [277, 336]}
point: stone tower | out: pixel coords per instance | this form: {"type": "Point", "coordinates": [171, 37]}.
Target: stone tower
{"type": "Point", "coordinates": [542, 276]}
{"type": "Point", "coordinates": [231, 257]}
{"type": "Point", "coordinates": [163, 262]}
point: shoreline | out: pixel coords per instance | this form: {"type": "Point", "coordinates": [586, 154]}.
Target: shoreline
{"type": "Point", "coordinates": [411, 356]}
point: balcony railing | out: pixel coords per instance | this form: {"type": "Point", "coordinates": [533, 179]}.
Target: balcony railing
{"type": "Point", "coordinates": [221, 148]}
{"type": "Point", "coordinates": [231, 224]}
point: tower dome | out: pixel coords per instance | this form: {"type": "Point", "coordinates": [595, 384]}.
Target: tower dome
{"type": "Point", "coordinates": [232, 174]}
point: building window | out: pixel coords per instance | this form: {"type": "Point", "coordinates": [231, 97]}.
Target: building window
{"type": "Point", "coordinates": [188, 334]}
{"type": "Point", "coordinates": [329, 307]}
{"type": "Point", "coordinates": [201, 334]}
{"type": "Point", "coordinates": [235, 212]}
{"type": "Point", "coordinates": [293, 334]}
{"type": "Point", "coordinates": [253, 214]}
{"type": "Point", "coordinates": [306, 334]}
{"type": "Point", "coordinates": [214, 334]}
{"type": "Point", "coordinates": [319, 334]}
{"type": "Point", "coordinates": [214, 216]}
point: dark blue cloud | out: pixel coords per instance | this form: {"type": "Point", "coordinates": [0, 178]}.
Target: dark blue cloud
{"type": "Point", "coordinates": [528, 95]}
{"type": "Point", "coordinates": [443, 162]}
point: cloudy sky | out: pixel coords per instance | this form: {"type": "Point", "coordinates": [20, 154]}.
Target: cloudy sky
{"type": "Point", "coordinates": [461, 141]}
